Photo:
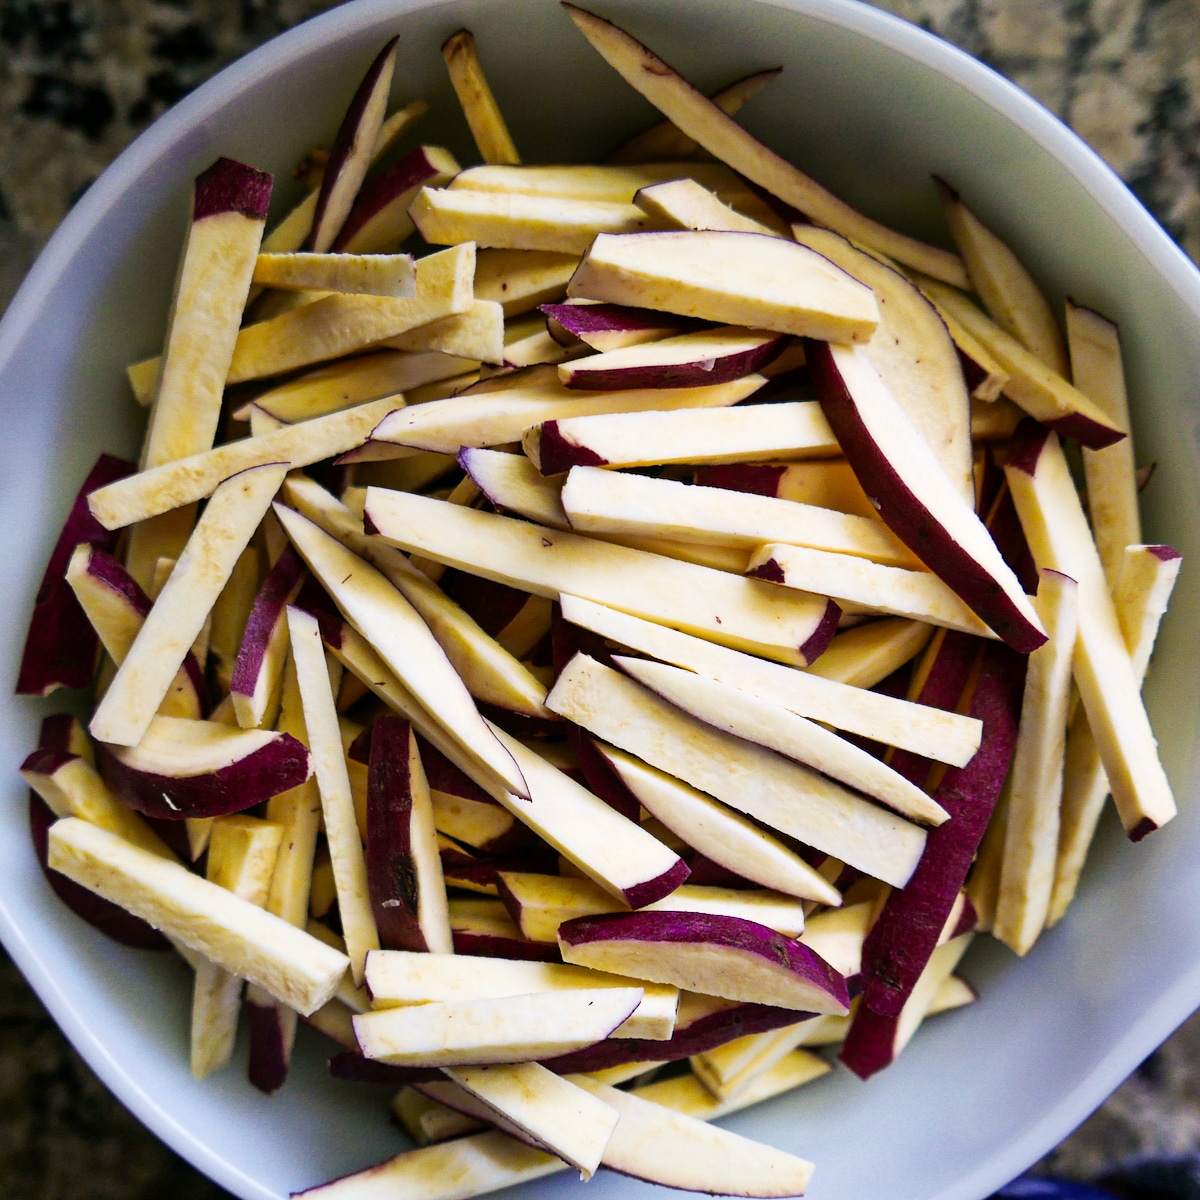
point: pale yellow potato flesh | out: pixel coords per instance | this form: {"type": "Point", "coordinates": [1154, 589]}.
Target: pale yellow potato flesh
{"type": "Point", "coordinates": [478, 102]}
{"type": "Point", "coordinates": [357, 274]}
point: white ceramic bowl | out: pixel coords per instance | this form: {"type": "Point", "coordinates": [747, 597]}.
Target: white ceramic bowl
{"type": "Point", "coordinates": [869, 105]}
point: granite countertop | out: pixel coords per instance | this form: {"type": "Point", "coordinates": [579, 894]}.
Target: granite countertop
{"type": "Point", "coordinates": [80, 78]}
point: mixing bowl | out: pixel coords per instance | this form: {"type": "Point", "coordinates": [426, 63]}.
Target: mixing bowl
{"type": "Point", "coordinates": [869, 105]}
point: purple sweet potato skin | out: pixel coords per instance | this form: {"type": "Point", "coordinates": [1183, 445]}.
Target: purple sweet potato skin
{"type": "Point", "coordinates": [1086, 431]}
{"type": "Point", "coordinates": [231, 186]}
{"type": "Point", "coordinates": [708, 1032]}
{"type": "Point", "coordinates": [724, 369]}
{"type": "Point", "coordinates": [276, 767]}
{"type": "Point", "coordinates": [584, 319]}
{"type": "Point", "coordinates": [269, 1057]}
{"type": "Point", "coordinates": [112, 920]}
{"type": "Point", "coordinates": [1165, 553]}
{"type": "Point", "coordinates": [724, 932]}
{"type": "Point", "coordinates": [487, 945]}
{"type": "Point", "coordinates": [556, 454]}
{"type": "Point", "coordinates": [489, 604]}
{"type": "Point", "coordinates": [870, 1043]}
{"type": "Point", "coordinates": [345, 144]}
{"type": "Point", "coordinates": [662, 885]}
{"type": "Point", "coordinates": [818, 641]}
{"type": "Point", "coordinates": [278, 590]}
{"type": "Point", "coordinates": [391, 872]}
{"type": "Point", "coordinates": [354, 1068]}
{"type": "Point", "coordinates": [906, 933]}
{"type": "Point", "coordinates": [908, 519]}
{"type": "Point", "coordinates": [402, 176]}
{"type": "Point", "coordinates": [756, 478]}
{"type": "Point", "coordinates": [61, 646]}
{"type": "Point", "coordinates": [444, 776]}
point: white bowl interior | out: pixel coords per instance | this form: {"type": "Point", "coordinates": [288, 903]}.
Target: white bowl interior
{"type": "Point", "coordinates": [870, 106]}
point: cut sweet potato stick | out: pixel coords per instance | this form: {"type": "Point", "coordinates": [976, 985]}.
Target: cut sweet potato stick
{"type": "Point", "coordinates": [689, 1094]}
{"type": "Point", "coordinates": [1040, 391]}
{"type": "Point", "coordinates": [381, 613]}
{"type": "Point", "coordinates": [791, 627]}
{"type": "Point", "coordinates": [493, 418]}
{"type": "Point", "coordinates": [1147, 579]}
{"type": "Point", "coordinates": [241, 858]}
{"type": "Point", "coordinates": [916, 498]}
{"type": "Point", "coordinates": [600, 501]}
{"type": "Point", "coordinates": [865, 656]}
{"type": "Point", "coordinates": [520, 280]}
{"type": "Point", "coordinates": [664, 141]}
{"type": "Point", "coordinates": [232, 611]}
{"type": "Point", "coordinates": [548, 1109]}
{"type": "Point", "coordinates": [491, 673]}
{"type": "Point", "coordinates": [255, 684]}
{"type": "Point", "coordinates": [943, 735]}
{"type": "Point", "coordinates": [787, 796]}
{"type": "Point", "coordinates": [116, 607]}
{"type": "Point", "coordinates": [404, 873]}
{"type": "Point", "coordinates": [361, 274]}
{"type": "Point", "coordinates": [476, 335]}
{"type": "Point", "coordinates": [428, 1121]}
{"type": "Point", "coordinates": [859, 585]}
{"type": "Point", "coordinates": [335, 324]}
{"type": "Point", "coordinates": [144, 678]}
{"type": "Point", "coordinates": [1008, 291]}
{"type": "Point", "coordinates": [913, 918]}
{"type": "Point", "coordinates": [721, 136]}
{"type": "Point", "coordinates": [492, 139]}
{"type": "Point", "coordinates": [61, 646]}
{"type": "Point", "coordinates": [732, 278]}
{"type": "Point", "coordinates": [686, 204]}
{"type": "Point", "coordinates": [190, 479]}
{"type": "Point", "coordinates": [1054, 523]}
{"type": "Point", "coordinates": [1036, 782]}
{"type": "Point", "coordinates": [397, 978]}
{"type": "Point", "coordinates": [1112, 490]}
{"type": "Point", "coordinates": [234, 934]}
{"type": "Point", "coordinates": [337, 807]}
{"type": "Point", "coordinates": [742, 434]}
{"type": "Point", "coordinates": [914, 352]}
{"type": "Point", "coordinates": [352, 150]}
{"type": "Point", "coordinates": [502, 1029]}
{"type": "Point", "coordinates": [874, 1041]}
{"type": "Point", "coordinates": [718, 832]}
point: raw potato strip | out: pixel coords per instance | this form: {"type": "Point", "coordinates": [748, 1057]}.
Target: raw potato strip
{"type": "Point", "coordinates": [490, 672]}
{"type": "Point", "coordinates": [915, 497]}
{"type": "Point", "coordinates": [520, 280]}
{"type": "Point", "coordinates": [499, 415]}
{"type": "Point", "coordinates": [687, 1094]}
{"type": "Point", "coordinates": [664, 141]}
{"type": "Point", "coordinates": [599, 501]}
{"type": "Point", "coordinates": [743, 434]}
{"type": "Point", "coordinates": [492, 139]}
{"type": "Point", "coordinates": [1111, 474]}
{"type": "Point", "coordinates": [241, 858]}
{"type": "Point", "coordinates": [859, 585]}
{"type": "Point", "coordinates": [236, 935]}
{"type": "Point", "coordinates": [174, 484]}
{"type": "Point", "coordinates": [476, 335]}
{"type": "Point", "coordinates": [516, 221]}
{"type": "Point", "coordinates": [1053, 520]}
{"type": "Point", "coordinates": [719, 833]}
{"type": "Point", "coordinates": [1007, 289]}
{"type": "Point", "coordinates": [618, 854]}
{"type": "Point", "coordinates": [403, 640]}
{"type": "Point", "coordinates": [363, 274]}
{"type": "Point", "coordinates": [750, 279]}
{"type": "Point", "coordinates": [946, 736]}
{"type": "Point", "coordinates": [336, 324]}
{"type": "Point", "coordinates": [767, 724]}
{"type": "Point", "coordinates": [522, 1028]}
{"type": "Point", "coordinates": [790, 627]}
{"type": "Point", "coordinates": [867, 655]}
{"type": "Point", "coordinates": [651, 1142]}
{"type": "Point", "coordinates": [784, 795]}
{"type": "Point", "coordinates": [1041, 392]}
{"type": "Point", "coordinates": [144, 678]}
{"type": "Point", "coordinates": [914, 352]}
{"type": "Point", "coordinates": [686, 204]}
{"type": "Point", "coordinates": [116, 608]}
{"type": "Point", "coordinates": [232, 611]}
{"type": "Point", "coordinates": [555, 1112]}
{"type": "Point", "coordinates": [723, 137]}
{"type": "Point", "coordinates": [229, 209]}
{"type": "Point", "coordinates": [1036, 779]}
{"type": "Point", "coordinates": [352, 150]}
{"type": "Point", "coordinates": [1141, 596]}
{"type": "Point", "coordinates": [71, 787]}
{"type": "Point", "coordinates": [337, 806]}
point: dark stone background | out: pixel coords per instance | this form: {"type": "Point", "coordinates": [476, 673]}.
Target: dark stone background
{"type": "Point", "coordinates": [80, 78]}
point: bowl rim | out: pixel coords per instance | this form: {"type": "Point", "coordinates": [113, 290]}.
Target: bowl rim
{"type": "Point", "coordinates": [891, 32]}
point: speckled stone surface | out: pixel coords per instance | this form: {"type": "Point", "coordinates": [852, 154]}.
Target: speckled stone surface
{"type": "Point", "coordinates": [80, 78]}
